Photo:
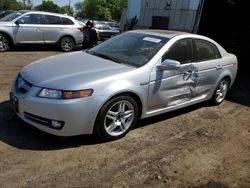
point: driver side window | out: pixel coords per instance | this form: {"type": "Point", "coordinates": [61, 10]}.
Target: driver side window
{"type": "Point", "coordinates": [31, 19]}
{"type": "Point", "coordinates": [180, 51]}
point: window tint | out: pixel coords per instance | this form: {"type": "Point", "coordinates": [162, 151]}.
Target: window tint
{"type": "Point", "coordinates": [206, 50]}
{"type": "Point", "coordinates": [104, 27]}
{"type": "Point", "coordinates": [53, 20]}
{"type": "Point", "coordinates": [67, 21]}
{"type": "Point", "coordinates": [180, 51]}
{"type": "Point", "coordinates": [31, 19]}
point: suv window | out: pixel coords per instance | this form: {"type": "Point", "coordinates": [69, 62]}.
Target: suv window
{"type": "Point", "coordinates": [104, 27]}
{"type": "Point", "coordinates": [67, 21]}
{"type": "Point", "coordinates": [31, 19]}
{"type": "Point", "coordinates": [53, 20]}
{"type": "Point", "coordinates": [206, 50]}
{"type": "Point", "coordinates": [180, 51]}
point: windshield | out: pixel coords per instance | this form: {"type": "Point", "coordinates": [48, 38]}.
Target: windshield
{"type": "Point", "coordinates": [11, 16]}
{"type": "Point", "coordinates": [134, 49]}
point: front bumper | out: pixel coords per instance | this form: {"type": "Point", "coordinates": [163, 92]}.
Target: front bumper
{"type": "Point", "coordinates": [78, 115]}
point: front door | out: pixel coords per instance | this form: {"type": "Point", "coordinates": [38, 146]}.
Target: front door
{"type": "Point", "coordinates": [174, 87]}
{"type": "Point", "coordinates": [27, 29]}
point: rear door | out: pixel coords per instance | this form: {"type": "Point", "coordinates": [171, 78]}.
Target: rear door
{"type": "Point", "coordinates": [209, 64]}
{"type": "Point", "coordinates": [28, 29]}
{"type": "Point", "coordinates": [52, 29]}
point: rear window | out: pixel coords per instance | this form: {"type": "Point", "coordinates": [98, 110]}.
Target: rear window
{"type": "Point", "coordinates": [206, 50]}
{"type": "Point", "coordinates": [53, 20]}
{"type": "Point", "coordinates": [67, 21]}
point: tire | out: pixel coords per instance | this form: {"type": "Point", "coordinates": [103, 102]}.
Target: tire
{"type": "Point", "coordinates": [4, 43]}
{"type": "Point", "coordinates": [67, 44]}
{"type": "Point", "coordinates": [220, 92]}
{"type": "Point", "coordinates": [116, 117]}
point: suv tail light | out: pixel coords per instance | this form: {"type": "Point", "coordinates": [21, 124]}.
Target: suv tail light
{"type": "Point", "coordinates": [81, 29]}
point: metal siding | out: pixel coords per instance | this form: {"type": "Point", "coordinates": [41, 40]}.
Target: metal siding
{"type": "Point", "coordinates": [181, 13]}
{"type": "Point", "coordinates": [133, 8]}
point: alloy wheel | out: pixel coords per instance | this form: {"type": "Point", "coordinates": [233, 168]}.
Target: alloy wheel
{"type": "Point", "coordinates": [221, 91]}
{"type": "Point", "coordinates": [67, 44]}
{"type": "Point", "coordinates": [119, 118]}
{"type": "Point", "coordinates": [4, 43]}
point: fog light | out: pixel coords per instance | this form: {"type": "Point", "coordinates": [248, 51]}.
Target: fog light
{"type": "Point", "coordinates": [56, 124]}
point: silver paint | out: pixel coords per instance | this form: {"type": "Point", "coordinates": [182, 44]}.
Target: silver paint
{"type": "Point", "coordinates": [159, 91]}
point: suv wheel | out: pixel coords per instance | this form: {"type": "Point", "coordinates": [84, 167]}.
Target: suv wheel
{"type": "Point", "coordinates": [4, 43]}
{"type": "Point", "coordinates": [67, 44]}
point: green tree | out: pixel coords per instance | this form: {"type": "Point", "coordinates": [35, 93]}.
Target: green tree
{"type": "Point", "coordinates": [66, 10]}
{"type": "Point", "coordinates": [10, 5]}
{"type": "Point", "coordinates": [48, 6]}
{"type": "Point", "coordinates": [27, 4]}
{"type": "Point", "coordinates": [115, 7]}
{"type": "Point", "coordinates": [101, 9]}
{"type": "Point", "coordinates": [79, 9]}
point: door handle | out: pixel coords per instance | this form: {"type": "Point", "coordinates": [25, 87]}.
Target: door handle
{"type": "Point", "coordinates": [219, 67]}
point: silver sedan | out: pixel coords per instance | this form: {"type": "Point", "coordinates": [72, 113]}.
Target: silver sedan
{"type": "Point", "coordinates": [132, 76]}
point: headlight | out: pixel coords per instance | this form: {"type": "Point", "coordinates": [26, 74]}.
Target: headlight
{"type": "Point", "coordinates": [57, 94]}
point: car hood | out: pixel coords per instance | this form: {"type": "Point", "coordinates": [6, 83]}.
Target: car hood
{"type": "Point", "coordinates": [2, 23]}
{"type": "Point", "coordinates": [71, 71]}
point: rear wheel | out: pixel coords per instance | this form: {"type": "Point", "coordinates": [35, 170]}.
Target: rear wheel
{"type": "Point", "coordinates": [67, 44]}
{"type": "Point", "coordinates": [4, 43]}
{"type": "Point", "coordinates": [221, 92]}
{"type": "Point", "coordinates": [116, 117]}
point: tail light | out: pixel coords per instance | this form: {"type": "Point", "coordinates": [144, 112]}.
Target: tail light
{"type": "Point", "coordinates": [81, 29]}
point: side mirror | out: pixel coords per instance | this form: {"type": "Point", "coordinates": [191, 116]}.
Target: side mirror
{"type": "Point", "coordinates": [20, 21]}
{"type": "Point", "coordinates": [169, 64]}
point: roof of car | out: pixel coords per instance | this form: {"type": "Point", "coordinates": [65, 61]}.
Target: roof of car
{"type": "Point", "coordinates": [44, 12]}
{"type": "Point", "coordinates": [164, 33]}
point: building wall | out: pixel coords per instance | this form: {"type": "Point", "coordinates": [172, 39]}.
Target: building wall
{"type": "Point", "coordinates": [134, 7]}
{"type": "Point", "coordinates": [181, 13]}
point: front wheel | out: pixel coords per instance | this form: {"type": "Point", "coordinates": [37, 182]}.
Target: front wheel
{"type": "Point", "coordinates": [67, 44]}
{"type": "Point", "coordinates": [116, 117]}
{"type": "Point", "coordinates": [220, 92]}
{"type": "Point", "coordinates": [4, 43]}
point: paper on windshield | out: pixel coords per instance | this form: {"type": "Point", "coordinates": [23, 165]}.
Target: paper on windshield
{"type": "Point", "coordinates": [151, 39]}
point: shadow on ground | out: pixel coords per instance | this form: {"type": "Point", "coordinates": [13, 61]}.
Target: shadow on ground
{"type": "Point", "coordinates": [240, 91]}
{"type": "Point", "coordinates": [19, 134]}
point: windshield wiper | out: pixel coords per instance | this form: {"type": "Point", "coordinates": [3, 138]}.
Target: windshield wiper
{"type": "Point", "coordinates": [104, 56]}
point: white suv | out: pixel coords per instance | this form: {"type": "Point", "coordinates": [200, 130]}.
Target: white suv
{"type": "Point", "coordinates": [36, 27]}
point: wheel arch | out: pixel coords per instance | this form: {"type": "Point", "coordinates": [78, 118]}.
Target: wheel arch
{"type": "Point", "coordinates": [127, 93]}
{"type": "Point", "coordinates": [67, 36]}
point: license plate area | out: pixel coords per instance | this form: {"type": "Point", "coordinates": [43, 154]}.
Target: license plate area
{"type": "Point", "coordinates": [14, 103]}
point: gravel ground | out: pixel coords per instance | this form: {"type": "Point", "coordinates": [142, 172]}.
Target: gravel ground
{"type": "Point", "coordinates": [200, 146]}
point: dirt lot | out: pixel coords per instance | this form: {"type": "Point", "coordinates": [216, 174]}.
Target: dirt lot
{"type": "Point", "coordinates": [200, 146]}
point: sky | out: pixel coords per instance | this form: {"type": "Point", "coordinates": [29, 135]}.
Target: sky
{"type": "Point", "coordinates": [58, 2]}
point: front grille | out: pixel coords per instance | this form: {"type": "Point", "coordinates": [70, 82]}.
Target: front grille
{"type": "Point", "coordinates": [22, 86]}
